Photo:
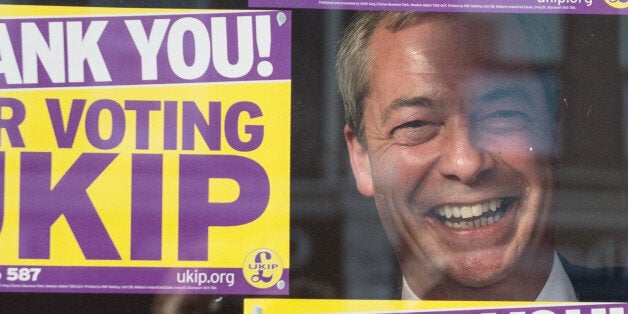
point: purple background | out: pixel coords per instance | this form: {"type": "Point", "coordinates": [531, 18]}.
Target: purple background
{"type": "Point", "coordinates": [513, 6]}
{"type": "Point", "coordinates": [124, 63]}
{"type": "Point", "coordinates": [122, 280]}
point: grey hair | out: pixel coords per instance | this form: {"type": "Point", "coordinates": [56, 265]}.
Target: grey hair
{"type": "Point", "coordinates": [353, 61]}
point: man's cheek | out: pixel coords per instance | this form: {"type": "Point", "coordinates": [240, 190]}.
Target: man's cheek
{"type": "Point", "coordinates": [520, 145]}
{"type": "Point", "coordinates": [541, 135]}
{"type": "Point", "coordinates": [392, 178]}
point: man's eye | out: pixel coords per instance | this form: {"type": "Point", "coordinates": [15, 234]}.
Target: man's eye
{"type": "Point", "coordinates": [414, 124]}
{"type": "Point", "coordinates": [503, 121]}
{"type": "Point", "coordinates": [415, 132]}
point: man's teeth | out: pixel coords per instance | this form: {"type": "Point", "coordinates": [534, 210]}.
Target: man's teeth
{"type": "Point", "coordinates": [475, 223]}
{"type": "Point", "coordinates": [469, 211]}
{"type": "Point", "coordinates": [471, 216]}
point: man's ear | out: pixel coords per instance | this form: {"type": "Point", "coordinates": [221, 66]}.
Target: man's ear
{"type": "Point", "coordinates": [360, 164]}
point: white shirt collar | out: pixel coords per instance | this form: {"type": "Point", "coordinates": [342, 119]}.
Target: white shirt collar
{"type": "Point", "coordinates": [558, 287]}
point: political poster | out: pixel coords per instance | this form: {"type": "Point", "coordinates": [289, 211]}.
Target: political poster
{"type": "Point", "coordinates": [485, 6]}
{"type": "Point", "coordinates": [144, 151]}
{"type": "Point", "coordinates": [293, 306]}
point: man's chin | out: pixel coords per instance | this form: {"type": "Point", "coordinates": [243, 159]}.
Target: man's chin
{"type": "Point", "coordinates": [480, 281]}
{"type": "Point", "coordinates": [479, 273]}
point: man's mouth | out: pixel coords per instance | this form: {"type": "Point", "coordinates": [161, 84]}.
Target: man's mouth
{"type": "Point", "coordinates": [473, 215]}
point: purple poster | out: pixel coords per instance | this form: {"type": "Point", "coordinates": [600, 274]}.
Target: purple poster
{"type": "Point", "coordinates": [488, 6]}
{"type": "Point", "coordinates": [144, 151]}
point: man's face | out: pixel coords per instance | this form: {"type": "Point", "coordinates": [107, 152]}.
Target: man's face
{"type": "Point", "coordinates": [456, 155]}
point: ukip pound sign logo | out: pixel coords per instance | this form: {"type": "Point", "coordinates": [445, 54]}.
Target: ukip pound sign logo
{"type": "Point", "coordinates": [263, 269]}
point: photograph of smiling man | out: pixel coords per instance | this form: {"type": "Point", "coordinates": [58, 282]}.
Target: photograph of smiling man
{"type": "Point", "coordinates": [454, 137]}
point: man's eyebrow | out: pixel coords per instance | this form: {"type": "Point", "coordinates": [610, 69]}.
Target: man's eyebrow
{"type": "Point", "coordinates": [400, 103]}
{"type": "Point", "coordinates": [505, 92]}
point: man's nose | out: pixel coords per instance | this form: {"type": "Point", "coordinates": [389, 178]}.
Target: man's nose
{"type": "Point", "coordinates": [462, 158]}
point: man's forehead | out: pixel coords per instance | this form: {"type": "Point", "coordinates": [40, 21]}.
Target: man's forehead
{"type": "Point", "coordinates": [502, 38]}
{"type": "Point", "coordinates": [437, 60]}
{"type": "Point", "coordinates": [463, 50]}
{"type": "Point", "coordinates": [436, 47]}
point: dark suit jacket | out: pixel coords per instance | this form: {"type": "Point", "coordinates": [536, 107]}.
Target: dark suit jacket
{"type": "Point", "coordinates": [598, 284]}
